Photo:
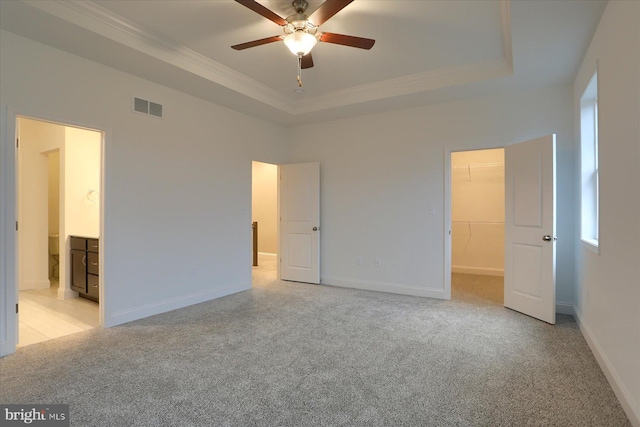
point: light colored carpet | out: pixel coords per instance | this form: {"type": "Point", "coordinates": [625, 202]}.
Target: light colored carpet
{"type": "Point", "coordinates": [294, 354]}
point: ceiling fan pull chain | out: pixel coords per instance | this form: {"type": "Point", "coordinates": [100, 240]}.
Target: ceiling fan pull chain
{"type": "Point", "coordinates": [299, 70]}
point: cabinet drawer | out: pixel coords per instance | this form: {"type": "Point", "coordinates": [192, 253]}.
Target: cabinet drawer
{"type": "Point", "coordinates": [79, 243]}
{"type": "Point", "coordinates": [93, 287]}
{"type": "Point", "coordinates": [92, 245]}
{"type": "Point", "coordinates": [92, 263]}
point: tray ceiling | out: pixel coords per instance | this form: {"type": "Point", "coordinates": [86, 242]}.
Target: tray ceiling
{"type": "Point", "coordinates": [425, 51]}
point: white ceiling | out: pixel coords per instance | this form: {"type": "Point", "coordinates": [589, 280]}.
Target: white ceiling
{"type": "Point", "coordinates": [426, 51]}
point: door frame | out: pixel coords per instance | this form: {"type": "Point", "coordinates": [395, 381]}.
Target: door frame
{"type": "Point", "coordinates": [8, 217]}
{"type": "Point", "coordinates": [448, 211]}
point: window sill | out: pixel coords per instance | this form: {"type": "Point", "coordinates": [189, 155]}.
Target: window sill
{"type": "Point", "coordinates": [591, 245]}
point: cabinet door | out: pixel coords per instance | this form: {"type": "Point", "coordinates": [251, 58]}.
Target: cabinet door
{"type": "Point", "coordinates": [79, 271]}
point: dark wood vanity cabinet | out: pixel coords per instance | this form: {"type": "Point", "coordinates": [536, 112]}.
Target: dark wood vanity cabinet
{"type": "Point", "coordinates": [85, 276]}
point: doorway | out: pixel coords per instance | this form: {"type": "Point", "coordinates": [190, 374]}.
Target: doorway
{"type": "Point", "coordinates": [58, 173]}
{"type": "Point", "coordinates": [477, 225]}
{"type": "Point", "coordinates": [264, 213]}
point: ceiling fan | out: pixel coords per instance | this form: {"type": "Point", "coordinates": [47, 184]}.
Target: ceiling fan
{"type": "Point", "coordinates": [301, 31]}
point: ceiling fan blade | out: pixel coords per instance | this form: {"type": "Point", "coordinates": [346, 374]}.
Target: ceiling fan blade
{"type": "Point", "coordinates": [327, 10]}
{"type": "Point", "coordinates": [261, 10]}
{"type": "Point", "coordinates": [255, 43]}
{"type": "Point", "coordinates": [307, 61]}
{"type": "Point", "coordinates": [352, 41]}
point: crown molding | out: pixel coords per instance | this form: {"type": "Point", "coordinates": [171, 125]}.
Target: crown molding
{"type": "Point", "coordinates": [432, 80]}
{"type": "Point", "coordinates": [90, 16]}
{"type": "Point", "coordinates": [99, 20]}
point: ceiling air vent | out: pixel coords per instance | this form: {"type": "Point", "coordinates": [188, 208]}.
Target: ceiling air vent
{"type": "Point", "coordinates": [147, 107]}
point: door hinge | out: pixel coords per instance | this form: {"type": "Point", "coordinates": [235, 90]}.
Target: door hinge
{"type": "Point", "coordinates": [17, 143]}
{"type": "Point", "coordinates": [16, 225]}
{"type": "Point", "coordinates": [16, 308]}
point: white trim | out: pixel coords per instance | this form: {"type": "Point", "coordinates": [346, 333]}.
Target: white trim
{"type": "Point", "coordinates": [447, 267]}
{"type": "Point", "coordinates": [421, 82]}
{"type": "Point", "coordinates": [392, 288]}
{"type": "Point", "coordinates": [565, 308]}
{"type": "Point", "coordinates": [483, 271]}
{"type": "Point", "coordinates": [8, 235]}
{"type": "Point", "coordinates": [35, 284]}
{"type": "Point", "coordinates": [447, 227]}
{"type": "Point", "coordinates": [68, 293]}
{"type": "Point", "coordinates": [621, 392]}
{"type": "Point", "coordinates": [99, 20]}
{"type": "Point", "coordinates": [267, 254]}
{"type": "Point", "coordinates": [8, 218]}
{"type": "Point", "coordinates": [141, 312]}
{"type": "Point", "coordinates": [590, 244]}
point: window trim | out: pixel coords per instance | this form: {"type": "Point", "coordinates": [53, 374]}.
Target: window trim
{"type": "Point", "coordinates": [589, 209]}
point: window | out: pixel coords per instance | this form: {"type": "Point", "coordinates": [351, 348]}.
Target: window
{"type": "Point", "coordinates": [589, 165]}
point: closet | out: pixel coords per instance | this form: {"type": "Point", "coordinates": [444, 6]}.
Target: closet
{"type": "Point", "coordinates": [477, 207]}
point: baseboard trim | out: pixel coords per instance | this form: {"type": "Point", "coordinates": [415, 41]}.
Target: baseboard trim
{"type": "Point", "coordinates": [137, 313]}
{"type": "Point", "coordinates": [483, 271]}
{"type": "Point", "coordinates": [267, 254]}
{"type": "Point", "coordinates": [565, 308]}
{"type": "Point", "coordinates": [36, 284]}
{"type": "Point", "coordinates": [621, 392]}
{"type": "Point", "coordinates": [392, 288]}
{"type": "Point", "coordinates": [66, 294]}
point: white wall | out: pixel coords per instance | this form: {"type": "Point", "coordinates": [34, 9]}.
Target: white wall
{"type": "Point", "coordinates": [608, 284]}
{"type": "Point", "coordinates": [381, 173]}
{"type": "Point", "coordinates": [477, 212]}
{"type": "Point", "coordinates": [265, 205]}
{"type": "Point", "coordinates": [176, 191]}
{"type": "Point", "coordinates": [81, 175]}
{"type": "Point", "coordinates": [36, 139]}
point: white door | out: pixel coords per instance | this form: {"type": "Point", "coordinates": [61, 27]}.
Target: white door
{"type": "Point", "coordinates": [530, 226]}
{"type": "Point", "coordinates": [299, 209]}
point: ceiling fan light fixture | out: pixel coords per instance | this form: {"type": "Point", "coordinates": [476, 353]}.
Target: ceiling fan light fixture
{"type": "Point", "coordinates": [300, 43]}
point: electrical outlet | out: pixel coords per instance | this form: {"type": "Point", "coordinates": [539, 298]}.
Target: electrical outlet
{"type": "Point", "coordinates": [359, 261]}
{"type": "Point", "coordinates": [432, 210]}
{"type": "Point", "coordinates": [377, 263]}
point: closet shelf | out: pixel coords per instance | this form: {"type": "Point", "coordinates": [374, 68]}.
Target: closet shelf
{"type": "Point", "coordinates": [478, 165]}
{"type": "Point", "coordinates": [480, 222]}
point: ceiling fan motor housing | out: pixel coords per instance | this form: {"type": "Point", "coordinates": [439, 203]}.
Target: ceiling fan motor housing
{"type": "Point", "coordinates": [299, 6]}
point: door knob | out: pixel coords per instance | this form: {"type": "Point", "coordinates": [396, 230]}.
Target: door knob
{"type": "Point", "coordinates": [548, 238]}
{"type": "Point", "coordinates": [316, 228]}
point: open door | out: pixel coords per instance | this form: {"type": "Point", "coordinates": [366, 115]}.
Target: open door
{"type": "Point", "coordinates": [299, 209]}
{"type": "Point", "coordinates": [530, 226]}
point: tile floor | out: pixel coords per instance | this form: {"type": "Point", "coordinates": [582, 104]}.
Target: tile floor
{"type": "Point", "coordinates": [43, 316]}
